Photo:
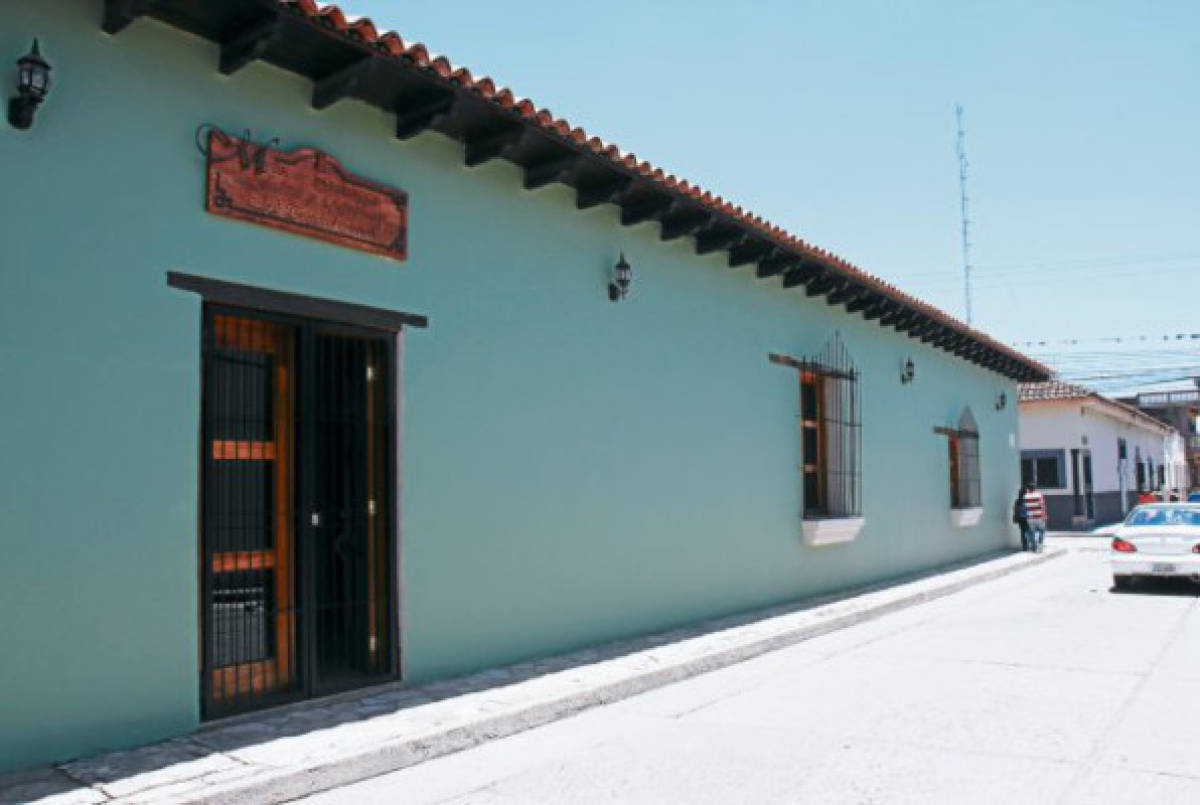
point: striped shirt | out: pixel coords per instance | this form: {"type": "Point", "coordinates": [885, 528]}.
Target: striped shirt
{"type": "Point", "coordinates": [1035, 505]}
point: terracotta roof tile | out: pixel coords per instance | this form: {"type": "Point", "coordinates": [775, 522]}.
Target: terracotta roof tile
{"type": "Point", "coordinates": [363, 29]}
{"type": "Point", "coordinates": [1059, 390]}
{"type": "Point", "coordinates": [1054, 390]}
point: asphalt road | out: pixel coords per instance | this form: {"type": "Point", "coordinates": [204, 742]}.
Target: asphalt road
{"type": "Point", "coordinates": [1042, 687]}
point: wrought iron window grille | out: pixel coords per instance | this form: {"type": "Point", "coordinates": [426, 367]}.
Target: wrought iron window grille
{"type": "Point", "coordinates": [966, 490]}
{"type": "Point", "coordinates": [830, 414]}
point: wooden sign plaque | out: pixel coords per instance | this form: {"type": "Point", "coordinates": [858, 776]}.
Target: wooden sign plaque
{"type": "Point", "coordinates": [307, 192]}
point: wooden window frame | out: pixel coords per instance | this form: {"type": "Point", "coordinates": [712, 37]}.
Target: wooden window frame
{"type": "Point", "coordinates": [964, 465]}
{"type": "Point", "coordinates": [820, 502]}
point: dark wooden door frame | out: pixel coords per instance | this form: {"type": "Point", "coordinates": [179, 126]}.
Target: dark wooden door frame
{"type": "Point", "coordinates": [383, 324]}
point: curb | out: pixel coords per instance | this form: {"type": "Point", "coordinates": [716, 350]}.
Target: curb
{"type": "Point", "coordinates": [222, 763]}
{"type": "Point", "coordinates": [399, 754]}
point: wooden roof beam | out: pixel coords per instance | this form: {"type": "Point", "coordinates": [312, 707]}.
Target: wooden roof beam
{"type": "Point", "coordinates": [491, 144]}
{"type": "Point", "coordinates": [249, 44]}
{"type": "Point", "coordinates": [948, 338]}
{"type": "Point", "coordinates": [118, 14]}
{"type": "Point", "coordinates": [601, 192]}
{"type": "Point", "coordinates": [898, 317]}
{"type": "Point", "coordinates": [847, 293]}
{"type": "Point", "coordinates": [717, 237]}
{"type": "Point", "coordinates": [806, 272]}
{"type": "Point", "coordinates": [552, 169]}
{"type": "Point", "coordinates": [824, 284]}
{"type": "Point", "coordinates": [418, 112]}
{"type": "Point", "coordinates": [865, 302]}
{"type": "Point", "coordinates": [343, 82]}
{"type": "Point", "coordinates": [775, 262]}
{"type": "Point", "coordinates": [641, 211]}
{"type": "Point", "coordinates": [881, 308]}
{"type": "Point", "coordinates": [684, 223]}
{"type": "Point", "coordinates": [749, 251]}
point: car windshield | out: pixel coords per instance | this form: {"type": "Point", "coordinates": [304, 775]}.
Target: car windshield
{"type": "Point", "coordinates": [1162, 515]}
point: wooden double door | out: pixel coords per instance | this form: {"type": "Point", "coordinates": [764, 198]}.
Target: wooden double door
{"type": "Point", "coordinates": [298, 557]}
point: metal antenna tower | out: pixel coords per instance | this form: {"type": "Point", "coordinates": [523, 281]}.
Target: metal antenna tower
{"type": "Point", "coordinates": [962, 194]}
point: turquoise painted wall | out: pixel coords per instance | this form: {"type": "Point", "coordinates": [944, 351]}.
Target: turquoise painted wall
{"type": "Point", "coordinates": [576, 470]}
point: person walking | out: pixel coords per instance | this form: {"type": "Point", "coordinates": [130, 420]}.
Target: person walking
{"type": "Point", "coordinates": [1035, 513]}
{"type": "Point", "coordinates": [1020, 516]}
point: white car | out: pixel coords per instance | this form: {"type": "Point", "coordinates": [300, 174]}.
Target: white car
{"type": "Point", "coordinates": [1157, 539]}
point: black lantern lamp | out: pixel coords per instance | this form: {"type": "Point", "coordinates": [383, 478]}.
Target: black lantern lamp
{"type": "Point", "coordinates": [1001, 401]}
{"type": "Point", "coordinates": [622, 279]}
{"type": "Point", "coordinates": [33, 82]}
{"type": "Point", "coordinates": [908, 372]}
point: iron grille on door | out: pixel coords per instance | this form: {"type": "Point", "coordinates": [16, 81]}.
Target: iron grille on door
{"type": "Point", "coordinates": [297, 555]}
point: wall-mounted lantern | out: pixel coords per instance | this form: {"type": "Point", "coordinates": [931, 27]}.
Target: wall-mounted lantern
{"type": "Point", "coordinates": [33, 82]}
{"type": "Point", "coordinates": [622, 279]}
{"type": "Point", "coordinates": [908, 372]}
{"type": "Point", "coordinates": [1001, 401]}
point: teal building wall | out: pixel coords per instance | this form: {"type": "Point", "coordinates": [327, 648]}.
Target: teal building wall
{"type": "Point", "coordinates": [575, 470]}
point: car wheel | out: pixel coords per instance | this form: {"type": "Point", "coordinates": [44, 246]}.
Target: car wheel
{"type": "Point", "coordinates": [1122, 582]}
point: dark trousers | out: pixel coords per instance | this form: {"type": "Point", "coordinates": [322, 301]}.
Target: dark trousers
{"type": "Point", "coordinates": [1028, 542]}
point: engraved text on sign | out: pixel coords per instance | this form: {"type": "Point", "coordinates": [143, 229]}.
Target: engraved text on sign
{"type": "Point", "coordinates": [307, 192]}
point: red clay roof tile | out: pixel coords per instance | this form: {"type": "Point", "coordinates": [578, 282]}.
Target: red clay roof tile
{"type": "Point", "coordinates": [416, 52]}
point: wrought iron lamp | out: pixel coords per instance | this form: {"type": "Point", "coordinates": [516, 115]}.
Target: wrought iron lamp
{"type": "Point", "coordinates": [1001, 401]}
{"type": "Point", "coordinates": [33, 83]}
{"type": "Point", "coordinates": [908, 372]}
{"type": "Point", "coordinates": [622, 278]}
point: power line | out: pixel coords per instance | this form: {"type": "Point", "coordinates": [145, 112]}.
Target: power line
{"type": "Point", "coordinates": [1033, 275]}
{"type": "Point", "coordinates": [1073, 264]}
{"type": "Point", "coordinates": [1113, 339]}
{"type": "Point", "coordinates": [1189, 371]}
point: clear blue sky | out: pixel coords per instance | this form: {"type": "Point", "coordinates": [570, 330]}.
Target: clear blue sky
{"type": "Point", "coordinates": [836, 120]}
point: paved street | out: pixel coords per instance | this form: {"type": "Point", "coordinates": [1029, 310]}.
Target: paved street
{"type": "Point", "coordinates": [1044, 686]}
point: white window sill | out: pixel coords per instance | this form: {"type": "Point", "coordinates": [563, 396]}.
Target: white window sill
{"type": "Point", "coordinates": [965, 518]}
{"type": "Point", "coordinates": [831, 531]}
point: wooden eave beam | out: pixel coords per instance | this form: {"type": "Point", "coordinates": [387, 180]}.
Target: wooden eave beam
{"type": "Point", "coordinates": [897, 317]}
{"type": "Point", "coordinates": [249, 44]}
{"type": "Point", "coordinates": [750, 251]}
{"type": "Point", "coordinates": [684, 223]}
{"type": "Point", "coordinates": [494, 143]}
{"type": "Point", "coordinates": [952, 341]}
{"type": "Point", "coordinates": [825, 284]}
{"type": "Point", "coordinates": [803, 274]}
{"type": "Point", "coordinates": [881, 308]}
{"type": "Point", "coordinates": [847, 293]}
{"type": "Point", "coordinates": [925, 331]}
{"type": "Point", "coordinates": [717, 237]}
{"type": "Point", "coordinates": [639, 212]}
{"type": "Point", "coordinates": [775, 263]}
{"type": "Point", "coordinates": [418, 112]}
{"type": "Point", "coordinates": [343, 83]}
{"type": "Point", "coordinates": [551, 169]}
{"type": "Point", "coordinates": [603, 192]}
{"type": "Point", "coordinates": [865, 301]}
{"type": "Point", "coordinates": [993, 361]}
{"type": "Point", "coordinates": [944, 336]}
{"type": "Point", "coordinates": [969, 349]}
{"type": "Point", "coordinates": [118, 14]}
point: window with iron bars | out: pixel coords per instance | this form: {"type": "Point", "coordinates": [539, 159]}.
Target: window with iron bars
{"type": "Point", "coordinates": [965, 478]}
{"type": "Point", "coordinates": [830, 432]}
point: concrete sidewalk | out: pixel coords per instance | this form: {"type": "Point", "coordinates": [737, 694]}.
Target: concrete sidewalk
{"type": "Point", "coordinates": [289, 752]}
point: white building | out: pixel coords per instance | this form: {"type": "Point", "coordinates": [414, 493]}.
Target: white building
{"type": "Point", "coordinates": [1092, 456]}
